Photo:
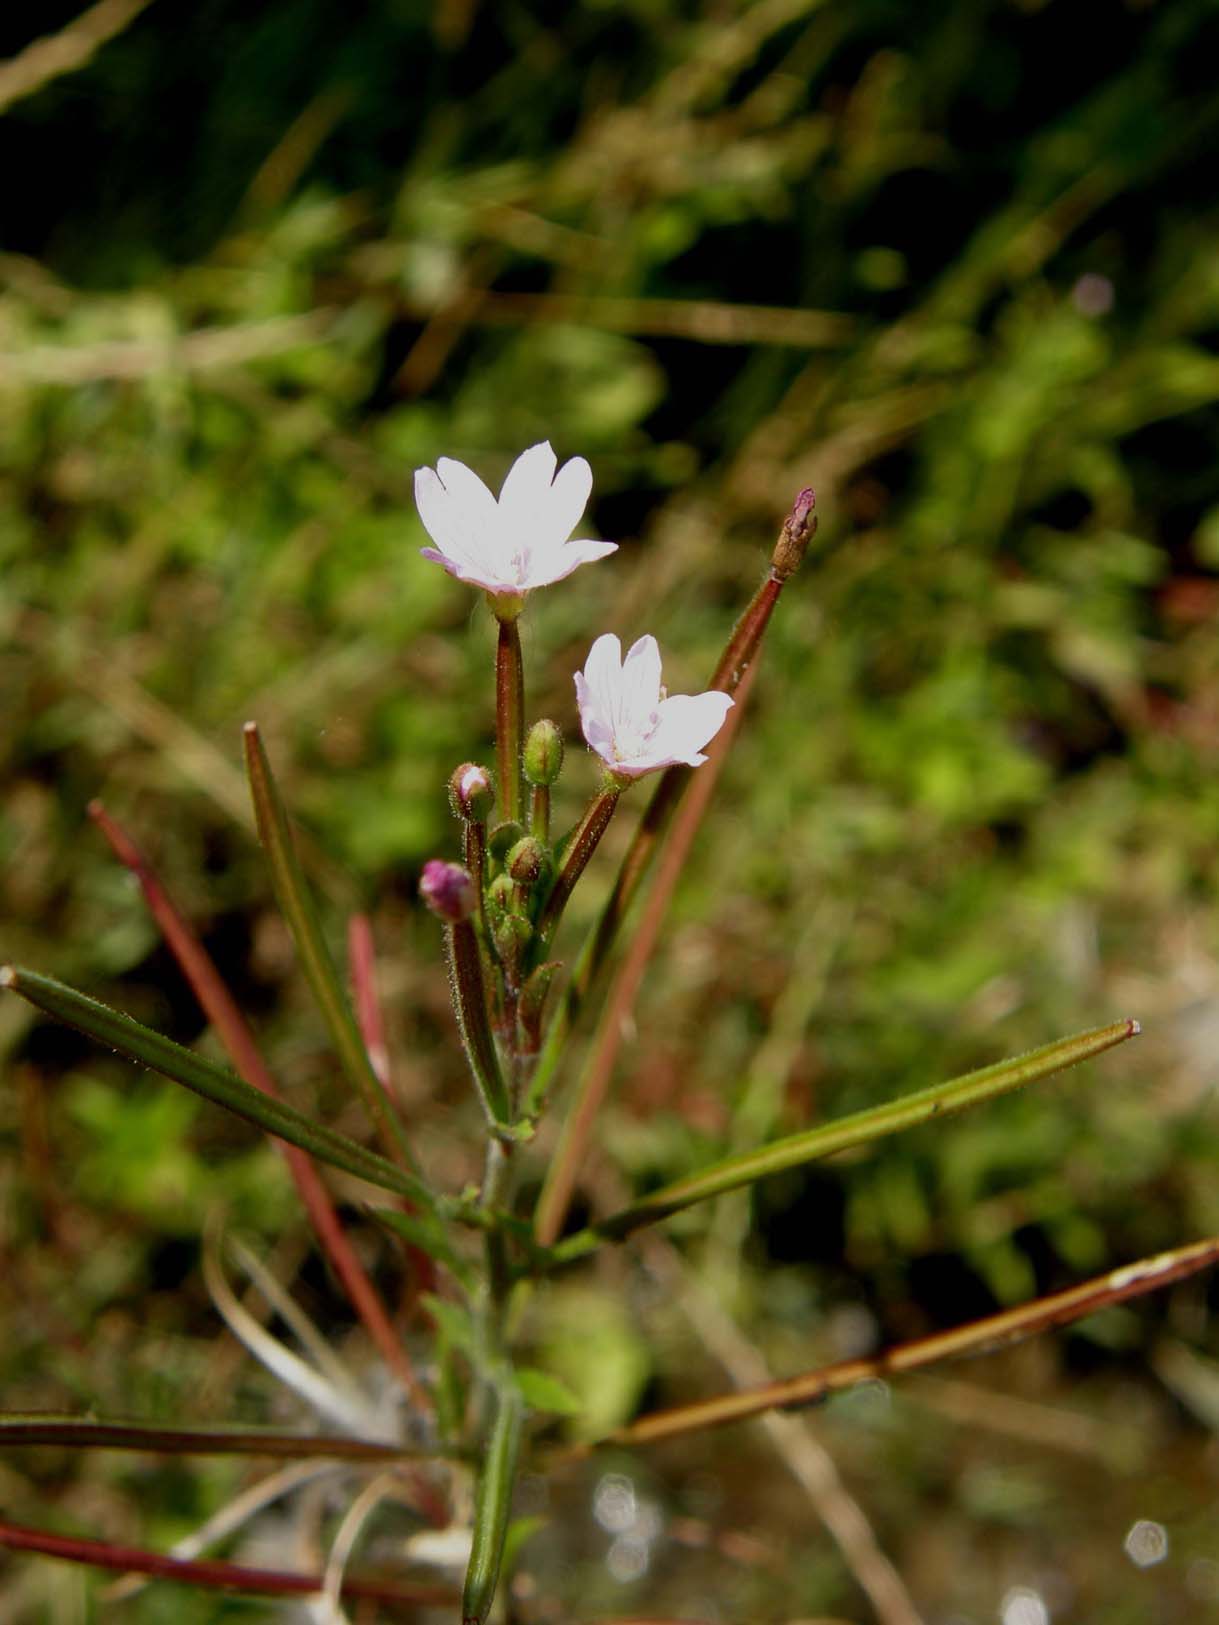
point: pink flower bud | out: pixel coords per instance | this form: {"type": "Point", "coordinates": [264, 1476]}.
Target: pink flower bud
{"type": "Point", "coordinates": [471, 792]}
{"type": "Point", "coordinates": [448, 890]}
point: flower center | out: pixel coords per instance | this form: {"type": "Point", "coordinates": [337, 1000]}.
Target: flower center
{"type": "Point", "coordinates": [633, 734]}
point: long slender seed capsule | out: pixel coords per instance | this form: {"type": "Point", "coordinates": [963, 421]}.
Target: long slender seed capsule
{"type": "Point", "coordinates": [493, 1503]}
{"type": "Point", "coordinates": [449, 892]}
{"type": "Point", "coordinates": [579, 850]}
{"type": "Point", "coordinates": [794, 536]}
{"type": "Point", "coordinates": [470, 1007]}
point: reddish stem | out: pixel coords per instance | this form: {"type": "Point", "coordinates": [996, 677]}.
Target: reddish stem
{"type": "Point", "coordinates": [362, 965]}
{"type": "Point", "coordinates": [361, 958]}
{"type": "Point", "coordinates": [221, 1010]}
{"type": "Point", "coordinates": [210, 1572]}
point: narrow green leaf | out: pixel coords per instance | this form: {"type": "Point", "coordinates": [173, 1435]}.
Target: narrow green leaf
{"type": "Point", "coordinates": [520, 1530]}
{"type": "Point", "coordinates": [542, 1392]}
{"type": "Point", "coordinates": [940, 1100]}
{"type": "Point", "coordinates": [455, 1321]}
{"type": "Point", "coordinates": [84, 1433]}
{"type": "Point", "coordinates": [493, 1501]}
{"type": "Point", "coordinates": [296, 902]}
{"type": "Point", "coordinates": [216, 1083]}
{"type": "Point", "coordinates": [420, 1232]}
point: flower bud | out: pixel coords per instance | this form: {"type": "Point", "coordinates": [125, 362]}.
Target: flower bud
{"type": "Point", "coordinates": [524, 862]}
{"type": "Point", "coordinates": [513, 935]}
{"type": "Point", "coordinates": [503, 837]}
{"type": "Point", "coordinates": [448, 890]}
{"type": "Point", "coordinates": [543, 752]}
{"type": "Point", "coordinates": [471, 792]}
{"type": "Point", "coordinates": [500, 895]}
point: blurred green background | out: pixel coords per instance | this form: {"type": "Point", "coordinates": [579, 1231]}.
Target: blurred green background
{"type": "Point", "coordinates": [955, 266]}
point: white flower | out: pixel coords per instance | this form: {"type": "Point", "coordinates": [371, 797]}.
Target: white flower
{"type": "Point", "coordinates": [627, 718]}
{"type": "Point", "coordinates": [519, 542]}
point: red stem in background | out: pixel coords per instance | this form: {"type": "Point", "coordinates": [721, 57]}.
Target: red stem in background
{"type": "Point", "coordinates": [221, 1010]}
{"type": "Point", "coordinates": [362, 966]}
{"type": "Point", "coordinates": [210, 1572]}
{"type": "Point", "coordinates": [362, 962]}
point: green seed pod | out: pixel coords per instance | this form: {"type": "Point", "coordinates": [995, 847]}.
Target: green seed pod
{"type": "Point", "coordinates": [543, 752]}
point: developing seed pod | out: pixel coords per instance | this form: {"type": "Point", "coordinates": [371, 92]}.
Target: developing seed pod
{"type": "Point", "coordinates": [471, 793]}
{"type": "Point", "coordinates": [543, 753]}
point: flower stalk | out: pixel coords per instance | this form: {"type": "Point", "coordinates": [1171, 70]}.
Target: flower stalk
{"type": "Point", "coordinates": [509, 716]}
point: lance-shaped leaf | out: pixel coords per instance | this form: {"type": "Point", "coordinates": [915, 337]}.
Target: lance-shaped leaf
{"type": "Point", "coordinates": [493, 1501]}
{"type": "Point", "coordinates": [296, 901]}
{"type": "Point", "coordinates": [812, 1145]}
{"type": "Point", "coordinates": [216, 1083]}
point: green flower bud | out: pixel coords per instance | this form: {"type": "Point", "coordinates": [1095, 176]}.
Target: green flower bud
{"type": "Point", "coordinates": [503, 838]}
{"type": "Point", "coordinates": [513, 935]}
{"type": "Point", "coordinates": [524, 862]}
{"type": "Point", "coordinates": [500, 894]}
{"type": "Point", "coordinates": [543, 752]}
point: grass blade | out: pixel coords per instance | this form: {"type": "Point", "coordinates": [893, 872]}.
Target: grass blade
{"type": "Point", "coordinates": [296, 901]}
{"type": "Point", "coordinates": [147, 1048]}
{"type": "Point", "coordinates": [860, 1128]}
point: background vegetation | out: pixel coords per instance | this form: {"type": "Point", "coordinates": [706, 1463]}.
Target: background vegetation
{"type": "Point", "coordinates": [956, 267]}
